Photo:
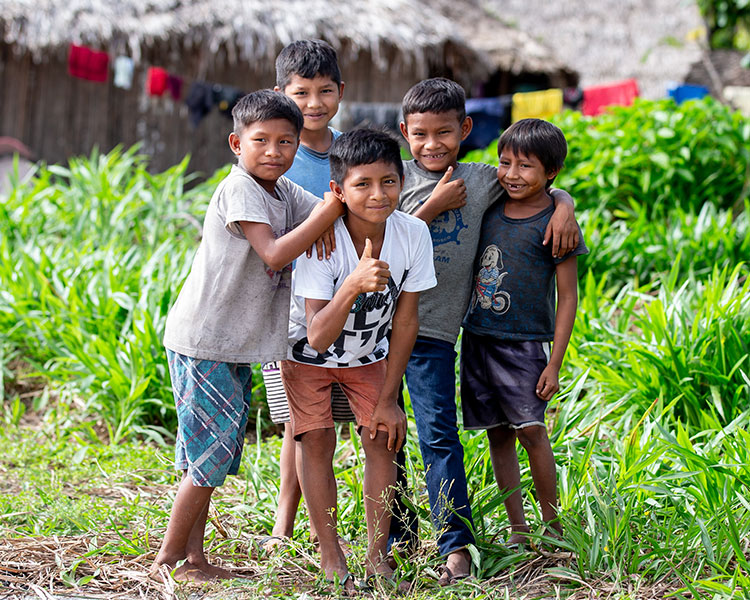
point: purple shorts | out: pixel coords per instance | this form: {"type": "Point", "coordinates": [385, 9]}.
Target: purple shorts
{"type": "Point", "coordinates": [498, 382]}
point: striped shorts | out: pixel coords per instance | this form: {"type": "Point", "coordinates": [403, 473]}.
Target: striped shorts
{"type": "Point", "coordinates": [212, 400]}
{"type": "Point", "coordinates": [278, 405]}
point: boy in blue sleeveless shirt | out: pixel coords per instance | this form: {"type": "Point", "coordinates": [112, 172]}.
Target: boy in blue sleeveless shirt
{"type": "Point", "coordinates": [507, 372]}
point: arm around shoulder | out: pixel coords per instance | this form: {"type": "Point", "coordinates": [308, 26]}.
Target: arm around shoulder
{"type": "Point", "coordinates": [562, 228]}
{"type": "Point", "coordinates": [281, 251]}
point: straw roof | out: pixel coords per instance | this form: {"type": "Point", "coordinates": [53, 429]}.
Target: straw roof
{"type": "Point", "coordinates": [654, 41]}
{"type": "Point", "coordinates": [722, 67]}
{"type": "Point", "coordinates": [255, 30]}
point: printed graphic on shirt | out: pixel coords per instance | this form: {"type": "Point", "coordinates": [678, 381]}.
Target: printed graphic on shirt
{"type": "Point", "coordinates": [364, 332]}
{"type": "Point", "coordinates": [490, 277]}
{"type": "Point", "coordinates": [446, 227]}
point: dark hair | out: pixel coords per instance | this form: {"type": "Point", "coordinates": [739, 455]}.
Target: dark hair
{"type": "Point", "coordinates": [436, 95]}
{"type": "Point", "coordinates": [265, 105]}
{"type": "Point", "coordinates": [363, 147]}
{"type": "Point", "coordinates": [539, 138]}
{"type": "Point", "coordinates": [307, 58]}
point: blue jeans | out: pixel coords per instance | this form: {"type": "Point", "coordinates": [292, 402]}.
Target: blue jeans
{"type": "Point", "coordinates": [431, 379]}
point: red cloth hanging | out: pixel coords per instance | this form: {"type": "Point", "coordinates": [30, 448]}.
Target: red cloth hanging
{"type": "Point", "coordinates": [598, 97]}
{"type": "Point", "coordinates": [88, 64]}
{"type": "Point", "coordinates": [156, 81]}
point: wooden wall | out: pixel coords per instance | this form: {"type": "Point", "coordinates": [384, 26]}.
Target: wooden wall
{"type": "Point", "coordinates": [59, 116]}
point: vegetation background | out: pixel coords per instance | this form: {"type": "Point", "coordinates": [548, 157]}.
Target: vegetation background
{"type": "Point", "coordinates": [649, 430]}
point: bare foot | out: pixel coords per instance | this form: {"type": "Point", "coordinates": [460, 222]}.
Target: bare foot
{"type": "Point", "coordinates": [518, 537]}
{"type": "Point", "coordinates": [188, 572]}
{"type": "Point", "coordinates": [213, 571]}
{"type": "Point", "coordinates": [384, 579]}
{"type": "Point", "coordinates": [457, 567]}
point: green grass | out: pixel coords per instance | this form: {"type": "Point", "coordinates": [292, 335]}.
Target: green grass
{"type": "Point", "coordinates": [649, 430]}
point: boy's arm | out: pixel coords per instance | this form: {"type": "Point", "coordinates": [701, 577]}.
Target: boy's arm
{"type": "Point", "coordinates": [404, 330]}
{"type": "Point", "coordinates": [279, 252]}
{"type": "Point", "coordinates": [567, 303]}
{"type": "Point", "coordinates": [326, 318]}
{"type": "Point", "coordinates": [446, 195]}
{"type": "Point", "coordinates": [562, 227]}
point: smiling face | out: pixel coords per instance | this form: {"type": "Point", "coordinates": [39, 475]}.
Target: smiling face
{"type": "Point", "coordinates": [266, 150]}
{"type": "Point", "coordinates": [318, 99]}
{"type": "Point", "coordinates": [435, 138]}
{"type": "Point", "coordinates": [370, 192]}
{"type": "Point", "coordinates": [523, 176]}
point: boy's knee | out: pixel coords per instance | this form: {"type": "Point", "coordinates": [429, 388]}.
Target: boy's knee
{"type": "Point", "coordinates": [532, 437]}
{"type": "Point", "coordinates": [318, 442]}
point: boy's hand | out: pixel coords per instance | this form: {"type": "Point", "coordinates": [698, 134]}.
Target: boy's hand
{"type": "Point", "coordinates": [562, 227]}
{"type": "Point", "coordinates": [390, 415]}
{"type": "Point", "coordinates": [548, 384]}
{"type": "Point", "coordinates": [371, 275]}
{"type": "Point", "coordinates": [448, 194]}
{"type": "Point", "coordinates": [326, 243]}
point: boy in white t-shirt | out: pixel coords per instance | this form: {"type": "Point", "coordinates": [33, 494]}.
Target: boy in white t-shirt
{"type": "Point", "coordinates": [233, 310]}
{"type": "Point", "coordinates": [383, 260]}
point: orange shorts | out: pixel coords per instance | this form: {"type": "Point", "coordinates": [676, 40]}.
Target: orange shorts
{"type": "Point", "coordinates": [308, 389]}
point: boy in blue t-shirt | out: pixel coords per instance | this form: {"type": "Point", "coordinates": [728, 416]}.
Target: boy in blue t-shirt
{"type": "Point", "coordinates": [507, 371]}
{"type": "Point", "coordinates": [307, 71]}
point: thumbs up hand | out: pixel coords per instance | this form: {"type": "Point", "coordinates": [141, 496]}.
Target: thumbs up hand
{"type": "Point", "coordinates": [448, 194]}
{"type": "Point", "coordinates": [371, 274]}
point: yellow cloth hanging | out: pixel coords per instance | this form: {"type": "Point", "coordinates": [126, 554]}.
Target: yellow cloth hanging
{"type": "Point", "coordinates": [539, 105]}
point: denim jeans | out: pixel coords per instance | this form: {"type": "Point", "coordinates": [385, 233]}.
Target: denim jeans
{"type": "Point", "coordinates": [431, 379]}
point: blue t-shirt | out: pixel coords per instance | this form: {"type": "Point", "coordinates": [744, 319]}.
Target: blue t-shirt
{"type": "Point", "coordinates": [311, 169]}
{"type": "Point", "coordinates": [513, 294]}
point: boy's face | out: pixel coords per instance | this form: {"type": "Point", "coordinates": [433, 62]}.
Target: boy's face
{"type": "Point", "coordinates": [370, 192]}
{"type": "Point", "coordinates": [523, 177]}
{"type": "Point", "coordinates": [266, 150]}
{"type": "Point", "coordinates": [318, 99]}
{"type": "Point", "coordinates": [435, 138]}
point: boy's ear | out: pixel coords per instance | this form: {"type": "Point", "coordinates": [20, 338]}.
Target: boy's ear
{"type": "Point", "coordinates": [341, 91]}
{"type": "Point", "coordinates": [276, 88]}
{"type": "Point", "coordinates": [552, 174]}
{"type": "Point", "coordinates": [337, 191]}
{"type": "Point", "coordinates": [404, 130]}
{"type": "Point", "coordinates": [466, 128]}
{"type": "Point", "coordinates": [234, 143]}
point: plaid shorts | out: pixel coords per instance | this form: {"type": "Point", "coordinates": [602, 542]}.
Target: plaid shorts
{"type": "Point", "coordinates": [278, 405]}
{"type": "Point", "coordinates": [212, 400]}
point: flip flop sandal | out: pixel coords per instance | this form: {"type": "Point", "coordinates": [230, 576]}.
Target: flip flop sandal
{"type": "Point", "coordinates": [264, 541]}
{"type": "Point", "coordinates": [342, 583]}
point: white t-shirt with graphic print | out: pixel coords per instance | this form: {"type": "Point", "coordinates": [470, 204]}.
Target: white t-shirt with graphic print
{"type": "Point", "coordinates": [407, 248]}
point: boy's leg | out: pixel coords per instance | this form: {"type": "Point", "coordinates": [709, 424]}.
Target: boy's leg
{"type": "Point", "coordinates": [319, 487]}
{"type": "Point", "coordinates": [189, 505]}
{"type": "Point", "coordinates": [430, 377]}
{"type": "Point", "coordinates": [508, 476]}
{"type": "Point", "coordinates": [380, 476]}
{"type": "Point", "coordinates": [308, 389]}
{"type": "Point", "coordinates": [212, 401]}
{"type": "Point", "coordinates": [289, 486]}
{"type": "Point", "coordinates": [543, 471]}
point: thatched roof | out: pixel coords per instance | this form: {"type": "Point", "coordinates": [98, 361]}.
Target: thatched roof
{"type": "Point", "coordinates": [609, 40]}
{"type": "Point", "coordinates": [507, 47]}
{"type": "Point", "coordinates": [719, 68]}
{"type": "Point", "coordinates": [251, 30]}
